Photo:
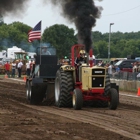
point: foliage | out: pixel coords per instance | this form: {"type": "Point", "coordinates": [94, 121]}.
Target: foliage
{"type": "Point", "coordinates": [61, 37]}
{"type": "Point", "coordinates": [14, 34]}
{"type": "Point", "coordinates": [121, 44]}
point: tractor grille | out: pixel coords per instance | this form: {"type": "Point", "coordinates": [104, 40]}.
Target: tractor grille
{"type": "Point", "coordinates": [97, 81]}
{"type": "Point", "coordinates": [98, 71]}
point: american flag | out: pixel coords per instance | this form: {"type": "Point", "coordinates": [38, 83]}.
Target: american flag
{"type": "Point", "coordinates": [35, 33]}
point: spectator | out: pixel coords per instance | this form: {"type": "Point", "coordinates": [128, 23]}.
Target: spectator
{"type": "Point", "coordinates": [116, 73]}
{"type": "Point", "coordinates": [65, 62]}
{"type": "Point", "coordinates": [19, 66]}
{"type": "Point", "coordinates": [13, 68]}
{"type": "Point", "coordinates": [31, 65]}
{"type": "Point", "coordinates": [10, 73]}
{"type": "Point", "coordinates": [102, 64]}
{"type": "Point", "coordinates": [7, 68]}
{"type": "Point", "coordinates": [28, 70]}
{"type": "Point", "coordinates": [110, 70]}
{"type": "Point", "coordinates": [16, 70]}
{"type": "Point", "coordinates": [99, 63]}
{"type": "Point", "coordinates": [134, 70]}
{"type": "Point", "coordinates": [138, 67]}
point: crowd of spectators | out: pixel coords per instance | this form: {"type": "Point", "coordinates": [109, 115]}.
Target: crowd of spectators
{"type": "Point", "coordinates": [15, 68]}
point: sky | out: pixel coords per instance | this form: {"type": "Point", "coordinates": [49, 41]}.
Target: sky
{"type": "Point", "coordinates": [123, 13]}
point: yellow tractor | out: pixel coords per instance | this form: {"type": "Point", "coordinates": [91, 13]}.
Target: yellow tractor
{"type": "Point", "coordinates": [76, 86]}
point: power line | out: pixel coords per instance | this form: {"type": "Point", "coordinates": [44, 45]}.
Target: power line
{"type": "Point", "coordinates": [122, 11]}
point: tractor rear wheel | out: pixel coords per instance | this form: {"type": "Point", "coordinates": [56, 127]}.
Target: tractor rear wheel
{"type": "Point", "coordinates": [114, 99]}
{"type": "Point", "coordinates": [27, 90]}
{"type": "Point", "coordinates": [77, 99]}
{"type": "Point", "coordinates": [30, 90]}
{"type": "Point", "coordinates": [64, 85]}
{"type": "Point", "coordinates": [33, 98]}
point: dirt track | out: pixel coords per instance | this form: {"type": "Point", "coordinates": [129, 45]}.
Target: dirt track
{"type": "Point", "coordinates": [20, 120]}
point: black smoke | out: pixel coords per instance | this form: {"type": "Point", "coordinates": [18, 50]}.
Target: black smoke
{"type": "Point", "coordinates": [81, 12]}
{"type": "Point", "coordinates": [84, 14]}
{"type": "Point", "coordinates": [12, 6]}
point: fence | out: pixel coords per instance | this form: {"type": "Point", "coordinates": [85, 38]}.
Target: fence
{"type": "Point", "coordinates": [126, 76]}
{"type": "Point", "coordinates": [127, 81]}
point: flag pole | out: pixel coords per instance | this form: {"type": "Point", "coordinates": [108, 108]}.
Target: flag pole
{"type": "Point", "coordinates": [34, 34]}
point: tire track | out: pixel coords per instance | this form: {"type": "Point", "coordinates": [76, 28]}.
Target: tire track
{"type": "Point", "coordinates": [124, 121]}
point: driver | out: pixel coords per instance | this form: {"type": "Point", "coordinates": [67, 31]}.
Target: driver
{"type": "Point", "coordinates": [45, 52]}
{"type": "Point", "coordinates": [81, 59]}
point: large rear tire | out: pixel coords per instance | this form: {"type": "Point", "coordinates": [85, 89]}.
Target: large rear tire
{"type": "Point", "coordinates": [64, 85]}
{"type": "Point", "coordinates": [32, 100]}
{"type": "Point", "coordinates": [114, 99]}
{"type": "Point", "coordinates": [35, 97]}
{"type": "Point", "coordinates": [30, 91]}
{"type": "Point", "coordinates": [27, 90]}
{"type": "Point", "coordinates": [77, 99]}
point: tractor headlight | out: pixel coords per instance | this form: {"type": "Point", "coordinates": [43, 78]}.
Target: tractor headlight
{"type": "Point", "coordinates": [67, 67]}
{"type": "Point", "coordinates": [71, 68]}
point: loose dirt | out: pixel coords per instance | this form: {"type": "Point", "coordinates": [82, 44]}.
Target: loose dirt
{"type": "Point", "coordinates": [21, 121]}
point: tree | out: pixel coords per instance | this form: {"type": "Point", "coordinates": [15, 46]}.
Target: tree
{"type": "Point", "coordinates": [96, 36]}
{"type": "Point", "coordinates": [100, 49]}
{"type": "Point", "coordinates": [61, 37]}
{"type": "Point", "coordinates": [14, 34]}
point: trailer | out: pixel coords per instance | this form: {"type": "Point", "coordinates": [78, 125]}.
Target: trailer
{"type": "Point", "coordinates": [11, 51]}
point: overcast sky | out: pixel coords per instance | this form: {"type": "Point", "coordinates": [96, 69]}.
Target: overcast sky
{"type": "Point", "coordinates": [123, 13]}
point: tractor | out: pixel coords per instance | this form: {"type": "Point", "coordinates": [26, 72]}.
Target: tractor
{"type": "Point", "coordinates": [76, 86]}
{"type": "Point", "coordinates": [40, 83]}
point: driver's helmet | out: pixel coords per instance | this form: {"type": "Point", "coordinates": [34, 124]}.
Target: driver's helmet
{"type": "Point", "coordinates": [82, 53]}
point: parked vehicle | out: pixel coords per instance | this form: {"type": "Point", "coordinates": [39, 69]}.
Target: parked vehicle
{"type": "Point", "coordinates": [11, 51]}
{"type": "Point", "coordinates": [126, 65]}
{"type": "Point", "coordinates": [3, 54]}
{"type": "Point", "coordinates": [137, 58]}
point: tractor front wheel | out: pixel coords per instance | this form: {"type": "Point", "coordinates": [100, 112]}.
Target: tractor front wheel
{"type": "Point", "coordinates": [77, 99]}
{"type": "Point", "coordinates": [114, 99]}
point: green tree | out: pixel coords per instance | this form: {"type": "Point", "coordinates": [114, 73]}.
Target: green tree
{"type": "Point", "coordinates": [101, 49]}
{"type": "Point", "coordinates": [14, 34]}
{"type": "Point", "coordinates": [61, 37]}
{"type": "Point", "coordinates": [96, 36]}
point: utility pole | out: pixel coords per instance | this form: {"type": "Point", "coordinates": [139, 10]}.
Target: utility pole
{"type": "Point", "coordinates": [109, 40]}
